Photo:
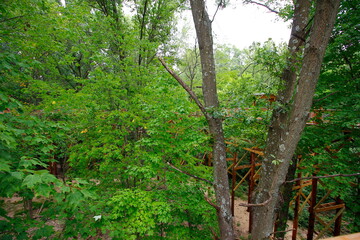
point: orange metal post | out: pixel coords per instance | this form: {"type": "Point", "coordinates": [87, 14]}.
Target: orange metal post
{"type": "Point", "coordinates": [251, 186]}
{"type": "Point", "coordinates": [296, 210]}
{"type": "Point", "coordinates": [337, 227]}
{"type": "Point", "coordinates": [311, 226]}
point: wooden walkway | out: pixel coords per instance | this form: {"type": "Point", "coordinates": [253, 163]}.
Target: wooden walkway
{"type": "Point", "coordinates": [355, 236]}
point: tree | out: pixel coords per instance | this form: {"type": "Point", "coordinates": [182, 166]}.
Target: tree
{"type": "Point", "coordinates": [190, 66]}
{"type": "Point", "coordinates": [80, 87]}
{"type": "Point", "coordinates": [332, 141]}
{"type": "Point", "coordinates": [211, 112]}
{"type": "Point", "coordinates": [221, 184]}
{"type": "Point", "coordinates": [295, 101]}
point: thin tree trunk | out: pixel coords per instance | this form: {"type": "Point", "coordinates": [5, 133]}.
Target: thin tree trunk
{"type": "Point", "coordinates": [289, 120]}
{"type": "Point", "coordinates": [28, 206]}
{"type": "Point", "coordinates": [142, 30]}
{"type": "Point", "coordinates": [221, 181]}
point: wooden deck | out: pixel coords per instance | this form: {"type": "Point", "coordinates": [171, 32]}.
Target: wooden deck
{"type": "Point", "coordinates": [355, 236]}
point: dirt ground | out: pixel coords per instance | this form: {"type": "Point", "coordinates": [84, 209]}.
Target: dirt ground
{"type": "Point", "coordinates": [241, 219]}
{"type": "Point", "coordinates": [242, 223]}
{"type": "Point", "coordinates": [12, 205]}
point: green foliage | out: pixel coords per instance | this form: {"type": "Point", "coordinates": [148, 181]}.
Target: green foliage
{"type": "Point", "coordinates": [136, 214]}
{"type": "Point", "coordinates": [80, 87]}
{"type": "Point", "coordinates": [244, 78]}
{"type": "Point", "coordinates": [172, 213]}
{"type": "Point", "coordinates": [89, 105]}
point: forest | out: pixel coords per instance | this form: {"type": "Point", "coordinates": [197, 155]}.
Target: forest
{"type": "Point", "coordinates": [114, 127]}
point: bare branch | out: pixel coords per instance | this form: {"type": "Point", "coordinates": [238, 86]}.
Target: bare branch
{"type": "Point", "coordinates": [320, 99]}
{"type": "Point", "coordinates": [189, 174]}
{"type": "Point", "coordinates": [283, 231]}
{"type": "Point", "coordinates": [212, 204]}
{"type": "Point", "coordinates": [199, 178]}
{"type": "Point", "coordinates": [327, 176]}
{"type": "Point", "coordinates": [242, 72]}
{"type": "Point", "coordinates": [263, 5]}
{"type": "Point", "coordinates": [255, 204]}
{"type": "Point", "coordinates": [216, 237]}
{"type": "Point", "coordinates": [221, 4]}
{"type": "Point", "coordinates": [186, 87]}
{"type": "Point", "coordinates": [9, 19]}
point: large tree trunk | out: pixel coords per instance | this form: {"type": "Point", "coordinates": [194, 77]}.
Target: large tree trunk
{"type": "Point", "coordinates": [289, 119]}
{"type": "Point", "coordinates": [221, 184]}
{"type": "Point", "coordinates": [286, 197]}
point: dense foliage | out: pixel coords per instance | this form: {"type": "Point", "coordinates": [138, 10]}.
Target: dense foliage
{"type": "Point", "coordinates": [84, 98]}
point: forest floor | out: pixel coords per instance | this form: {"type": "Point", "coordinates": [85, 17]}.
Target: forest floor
{"type": "Point", "coordinates": [13, 206]}
{"type": "Point", "coordinates": [242, 223]}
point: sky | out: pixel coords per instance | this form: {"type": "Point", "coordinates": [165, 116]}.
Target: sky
{"type": "Point", "coordinates": [241, 25]}
{"type": "Point", "coordinates": [238, 24]}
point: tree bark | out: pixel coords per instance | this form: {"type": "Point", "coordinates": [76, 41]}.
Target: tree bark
{"type": "Point", "coordinates": [221, 181]}
{"type": "Point", "coordinates": [288, 121]}
{"type": "Point", "coordinates": [287, 195]}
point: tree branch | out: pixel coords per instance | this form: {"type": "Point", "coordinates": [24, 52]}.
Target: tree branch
{"type": "Point", "coordinates": [255, 204]}
{"type": "Point", "coordinates": [327, 176]}
{"type": "Point", "coordinates": [282, 231]}
{"type": "Point", "coordinates": [199, 178]}
{"type": "Point", "coordinates": [263, 5]}
{"type": "Point", "coordinates": [242, 72]}
{"type": "Point", "coordinates": [212, 204]}
{"type": "Point", "coordinates": [186, 87]}
{"type": "Point", "coordinates": [12, 18]}
{"type": "Point", "coordinates": [320, 99]}
{"type": "Point", "coordinates": [189, 174]}
{"type": "Point", "coordinates": [221, 4]}
{"type": "Point", "coordinates": [216, 237]}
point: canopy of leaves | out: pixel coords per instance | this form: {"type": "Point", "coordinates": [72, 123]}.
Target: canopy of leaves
{"type": "Point", "coordinates": [82, 92]}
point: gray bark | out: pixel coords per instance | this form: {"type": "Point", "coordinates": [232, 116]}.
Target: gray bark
{"type": "Point", "coordinates": [221, 181]}
{"type": "Point", "coordinates": [289, 120]}
{"type": "Point", "coordinates": [286, 197]}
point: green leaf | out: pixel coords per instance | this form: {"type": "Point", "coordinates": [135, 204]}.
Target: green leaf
{"type": "Point", "coordinates": [4, 166]}
{"type": "Point", "coordinates": [31, 180]}
{"type": "Point", "coordinates": [74, 198]}
{"type": "Point", "coordinates": [17, 175]}
{"type": "Point", "coordinates": [87, 194]}
{"type": "Point", "coordinates": [48, 178]}
{"type": "Point", "coordinates": [65, 189]}
{"type": "Point", "coordinates": [43, 190]}
{"type": "Point", "coordinates": [31, 162]}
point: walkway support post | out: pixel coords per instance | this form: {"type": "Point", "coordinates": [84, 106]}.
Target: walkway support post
{"type": "Point", "coordinates": [311, 226]}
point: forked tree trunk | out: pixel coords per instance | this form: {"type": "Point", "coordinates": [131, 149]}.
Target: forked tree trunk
{"type": "Point", "coordinates": [221, 184]}
{"type": "Point", "coordinates": [286, 197]}
{"type": "Point", "coordinates": [289, 119]}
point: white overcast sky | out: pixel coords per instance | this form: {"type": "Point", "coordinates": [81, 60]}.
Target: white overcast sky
{"type": "Point", "coordinates": [241, 25]}
{"type": "Point", "coordinates": [238, 24]}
